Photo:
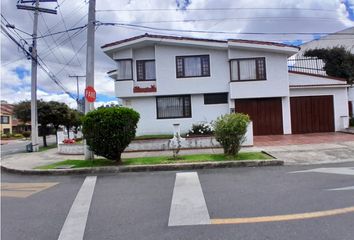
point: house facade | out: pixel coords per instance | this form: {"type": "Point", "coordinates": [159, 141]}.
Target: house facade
{"type": "Point", "coordinates": [337, 39]}
{"type": "Point", "coordinates": [182, 80]}
{"type": "Point", "coordinates": [5, 118]}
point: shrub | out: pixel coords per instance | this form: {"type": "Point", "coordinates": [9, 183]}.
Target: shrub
{"type": "Point", "coordinates": [202, 128]}
{"type": "Point", "coordinates": [26, 134]}
{"type": "Point", "coordinates": [108, 131]}
{"type": "Point", "coordinates": [18, 135]}
{"type": "Point", "coordinates": [230, 130]}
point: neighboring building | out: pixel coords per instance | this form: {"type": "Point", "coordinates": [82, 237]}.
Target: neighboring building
{"type": "Point", "coordinates": [188, 80]}
{"type": "Point", "coordinates": [9, 123]}
{"type": "Point", "coordinates": [342, 38]}
{"type": "Point", "coordinates": [6, 118]}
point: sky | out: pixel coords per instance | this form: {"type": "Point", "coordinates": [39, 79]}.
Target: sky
{"type": "Point", "coordinates": [65, 54]}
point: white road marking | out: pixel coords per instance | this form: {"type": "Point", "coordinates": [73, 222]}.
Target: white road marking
{"type": "Point", "coordinates": [338, 170]}
{"type": "Point", "coordinates": [188, 206]}
{"type": "Point", "coordinates": [341, 189]}
{"type": "Point", "coordinates": [75, 223]}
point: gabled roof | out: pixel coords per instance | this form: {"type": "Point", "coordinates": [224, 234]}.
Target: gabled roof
{"type": "Point", "coordinates": [220, 43]}
{"type": "Point", "coordinates": [160, 37]}
{"type": "Point", "coordinates": [6, 109]}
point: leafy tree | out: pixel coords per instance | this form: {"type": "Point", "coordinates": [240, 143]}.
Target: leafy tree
{"type": "Point", "coordinates": [230, 130]}
{"type": "Point", "coordinates": [339, 62]}
{"type": "Point", "coordinates": [108, 131]}
{"type": "Point", "coordinates": [73, 120]}
{"type": "Point", "coordinates": [57, 115]}
{"type": "Point", "coordinates": [22, 111]}
{"type": "Point", "coordinates": [52, 112]}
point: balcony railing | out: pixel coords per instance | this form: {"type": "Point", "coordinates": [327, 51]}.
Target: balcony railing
{"type": "Point", "coordinates": [307, 65]}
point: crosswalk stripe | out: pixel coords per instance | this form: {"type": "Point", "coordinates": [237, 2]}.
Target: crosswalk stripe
{"type": "Point", "coordinates": [338, 170]}
{"type": "Point", "coordinates": [75, 223]}
{"type": "Point", "coordinates": [188, 206]}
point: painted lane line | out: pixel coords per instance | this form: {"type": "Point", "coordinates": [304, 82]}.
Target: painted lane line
{"type": "Point", "coordinates": [339, 170]}
{"type": "Point", "coordinates": [75, 223]}
{"type": "Point", "coordinates": [341, 189]}
{"type": "Point", "coordinates": [188, 206]}
{"type": "Point", "coordinates": [288, 217]}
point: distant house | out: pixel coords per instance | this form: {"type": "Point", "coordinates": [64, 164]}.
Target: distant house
{"type": "Point", "coordinates": [9, 123]}
{"type": "Point", "coordinates": [6, 118]}
{"type": "Point", "coordinates": [186, 80]}
{"type": "Point", "coordinates": [342, 38]}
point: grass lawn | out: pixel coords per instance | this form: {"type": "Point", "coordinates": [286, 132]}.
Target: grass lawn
{"type": "Point", "coordinates": [160, 160]}
{"type": "Point", "coordinates": [42, 149]}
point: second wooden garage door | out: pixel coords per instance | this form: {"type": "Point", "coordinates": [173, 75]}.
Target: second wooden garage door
{"type": "Point", "coordinates": [266, 114]}
{"type": "Point", "coordinates": [312, 114]}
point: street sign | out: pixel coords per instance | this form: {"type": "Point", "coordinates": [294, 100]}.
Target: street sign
{"type": "Point", "coordinates": [90, 94]}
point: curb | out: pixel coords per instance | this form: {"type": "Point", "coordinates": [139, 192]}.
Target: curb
{"type": "Point", "coordinates": [147, 168]}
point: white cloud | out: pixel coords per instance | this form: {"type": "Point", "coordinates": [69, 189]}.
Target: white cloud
{"type": "Point", "coordinates": [14, 89]}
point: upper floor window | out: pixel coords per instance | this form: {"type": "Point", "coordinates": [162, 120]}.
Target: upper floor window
{"type": "Point", "coordinates": [248, 69]}
{"type": "Point", "coordinates": [174, 107]}
{"type": "Point", "coordinates": [124, 69]}
{"type": "Point", "coordinates": [145, 70]}
{"type": "Point", "coordinates": [193, 66]}
{"type": "Point", "coordinates": [5, 119]}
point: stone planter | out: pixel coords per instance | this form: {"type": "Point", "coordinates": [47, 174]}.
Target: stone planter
{"type": "Point", "coordinates": [70, 149]}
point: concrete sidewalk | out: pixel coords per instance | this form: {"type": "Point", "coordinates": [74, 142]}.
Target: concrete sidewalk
{"type": "Point", "coordinates": [290, 154]}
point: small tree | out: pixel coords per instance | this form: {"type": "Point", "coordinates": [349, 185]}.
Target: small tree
{"type": "Point", "coordinates": [108, 131]}
{"type": "Point", "coordinates": [338, 61]}
{"type": "Point", "coordinates": [230, 130]}
{"type": "Point", "coordinates": [73, 120]}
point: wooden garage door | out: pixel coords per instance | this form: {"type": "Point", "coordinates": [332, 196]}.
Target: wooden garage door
{"type": "Point", "coordinates": [312, 114]}
{"type": "Point", "coordinates": [266, 114]}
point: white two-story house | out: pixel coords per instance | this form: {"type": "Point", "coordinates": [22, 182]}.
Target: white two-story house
{"type": "Point", "coordinates": [185, 80]}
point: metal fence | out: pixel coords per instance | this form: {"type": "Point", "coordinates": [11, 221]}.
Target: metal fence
{"type": "Point", "coordinates": [307, 65]}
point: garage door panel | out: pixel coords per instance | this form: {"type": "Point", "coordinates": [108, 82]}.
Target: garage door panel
{"type": "Point", "coordinates": [312, 114]}
{"type": "Point", "coordinates": [266, 114]}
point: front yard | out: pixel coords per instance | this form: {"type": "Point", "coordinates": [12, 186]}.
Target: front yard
{"type": "Point", "coordinates": [159, 160]}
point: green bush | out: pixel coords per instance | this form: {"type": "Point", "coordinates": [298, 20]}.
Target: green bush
{"type": "Point", "coordinates": [230, 130]}
{"type": "Point", "coordinates": [108, 131]}
{"type": "Point", "coordinates": [202, 128]}
{"type": "Point", "coordinates": [26, 134]}
{"type": "Point", "coordinates": [18, 135]}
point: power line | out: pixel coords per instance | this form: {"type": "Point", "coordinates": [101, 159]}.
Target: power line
{"type": "Point", "coordinates": [238, 19]}
{"type": "Point", "coordinates": [71, 42]}
{"type": "Point", "coordinates": [216, 32]}
{"type": "Point", "coordinates": [41, 64]}
{"type": "Point", "coordinates": [212, 9]}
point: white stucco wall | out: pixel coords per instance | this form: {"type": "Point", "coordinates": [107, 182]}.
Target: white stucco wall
{"type": "Point", "coordinates": [340, 100]}
{"type": "Point", "coordinates": [168, 83]}
{"type": "Point", "coordinates": [276, 84]}
{"type": "Point", "coordinates": [149, 124]}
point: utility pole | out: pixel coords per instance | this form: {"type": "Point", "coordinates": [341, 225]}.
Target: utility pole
{"type": "Point", "coordinates": [34, 110]}
{"type": "Point", "coordinates": [90, 63]}
{"type": "Point", "coordinates": [77, 88]}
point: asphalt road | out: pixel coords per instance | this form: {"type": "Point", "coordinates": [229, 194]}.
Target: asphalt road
{"type": "Point", "coordinates": [137, 205]}
{"type": "Point", "coordinates": [17, 146]}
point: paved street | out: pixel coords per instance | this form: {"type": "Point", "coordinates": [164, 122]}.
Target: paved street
{"type": "Point", "coordinates": [17, 146]}
{"type": "Point", "coordinates": [291, 202]}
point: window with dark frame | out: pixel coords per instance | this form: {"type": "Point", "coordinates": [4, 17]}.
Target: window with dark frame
{"type": "Point", "coordinates": [215, 98]}
{"type": "Point", "coordinates": [124, 69]}
{"type": "Point", "coordinates": [5, 119]}
{"type": "Point", "coordinates": [145, 70]}
{"type": "Point", "coordinates": [192, 66]}
{"type": "Point", "coordinates": [174, 107]}
{"type": "Point", "coordinates": [248, 69]}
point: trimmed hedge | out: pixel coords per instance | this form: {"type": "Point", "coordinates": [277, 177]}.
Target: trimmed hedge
{"type": "Point", "coordinates": [108, 131]}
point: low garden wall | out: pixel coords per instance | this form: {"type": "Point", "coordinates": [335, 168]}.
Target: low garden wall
{"type": "Point", "coordinates": [71, 149]}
